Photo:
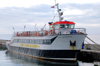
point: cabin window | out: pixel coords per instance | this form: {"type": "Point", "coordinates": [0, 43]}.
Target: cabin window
{"type": "Point", "coordinates": [71, 26]}
{"type": "Point", "coordinates": [25, 40]}
{"type": "Point", "coordinates": [18, 40]}
{"type": "Point", "coordinates": [67, 26]}
{"type": "Point", "coordinates": [30, 41]}
{"type": "Point", "coordinates": [22, 40]}
{"type": "Point", "coordinates": [44, 41]}
{"type": "Point", "coordinates": [62, 26]}
{"type": "Point", "coordinates": [37, 42]}
{"type": "Point", "coordinates": [48, 41]}
{"type": "Point", "coordinates": [41, 41]}
{"type": "Point", "coordinates": [15, 40]}
{"type": "Point", "coordinates": [33, 41]}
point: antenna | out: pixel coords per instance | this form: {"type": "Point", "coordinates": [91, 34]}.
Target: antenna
{"type": "Point", "coordinates": [35, 27]}
{"type": "Point", "coordinates": [43, 27]}
{"type": "Point", "coordinates": [59, 13]}
{"type": "Point", "coordinates": [14, 29]}
{"type": "Point", "coordinates": [24, 27]}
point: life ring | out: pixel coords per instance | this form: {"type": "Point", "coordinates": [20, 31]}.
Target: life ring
{"type": "Point", "coordinates": [39, 34]}
{"type": "Point", "coordinates": [16, 34]}
{"type": "Point", "coordinates": [50, 32]}
{"type": "Point", "coordinates": [36, 33]}
{"type": "Point", "coordinates": [25, 33]}
{"type": "Point", "coordinates": [32, 34]}
{"type": "Point", "coordinates": [46, 32]}
{"type": "Point", "coordinates": [78, 31]}
{"type": "Point", "coordinates": [21, 34]}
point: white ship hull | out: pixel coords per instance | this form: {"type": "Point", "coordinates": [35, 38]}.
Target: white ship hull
{"type": "Point", "coordinates": [54, 47]}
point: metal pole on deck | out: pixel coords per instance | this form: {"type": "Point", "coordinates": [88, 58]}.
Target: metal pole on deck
{"type": "Point", "coordinates": [24, 27]}
{"type": "Point", "coordinates": [14, 29]}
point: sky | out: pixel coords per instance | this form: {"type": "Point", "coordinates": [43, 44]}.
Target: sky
{"type": "Point", "coordinates": [15, 14]}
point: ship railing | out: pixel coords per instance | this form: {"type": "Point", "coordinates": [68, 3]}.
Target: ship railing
{"type": "Point", "coordinates": [31, 33]}
{"type": "Point", "coordinates": [49, 32]}
{"type": "Point", "coordinates": [70, 31]}
{"type": "Point", "coordinates": [80, 30]}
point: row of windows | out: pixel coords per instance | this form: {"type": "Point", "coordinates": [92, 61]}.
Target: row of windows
{"type": "Point", "coordinates": [64, 26]}
{"type": "Point", "coordinates": [31, 41]}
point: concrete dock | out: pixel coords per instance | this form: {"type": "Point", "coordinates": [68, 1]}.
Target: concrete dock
{"type": "Point", "coordinates": [91, 52]}
{"type": "Point", "coordinates": [3, 44]}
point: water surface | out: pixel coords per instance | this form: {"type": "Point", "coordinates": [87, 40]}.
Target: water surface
{"type": "Point", "coordinates": [12, 59]}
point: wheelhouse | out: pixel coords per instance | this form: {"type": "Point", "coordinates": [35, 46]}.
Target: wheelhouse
{"type": "Point", "coordinates": [62, 27]}
{"type": "Point", "coordinates": [62, 24]}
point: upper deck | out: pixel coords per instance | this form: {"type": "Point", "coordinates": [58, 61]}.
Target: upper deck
{"type": "Point", "coordinates": [56, 28]}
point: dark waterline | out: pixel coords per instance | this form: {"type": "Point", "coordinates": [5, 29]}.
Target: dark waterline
{"type": "Point", "coordinates": [12, 59]}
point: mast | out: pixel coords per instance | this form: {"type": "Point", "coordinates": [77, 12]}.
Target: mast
{"type": "Point", "coordinates": [59, 13]}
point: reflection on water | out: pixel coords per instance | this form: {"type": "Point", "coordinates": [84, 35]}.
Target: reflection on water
{"type": "Point", "coordinates": [22, 60]}
{"type": "Point", "coordinates": [12, 59]}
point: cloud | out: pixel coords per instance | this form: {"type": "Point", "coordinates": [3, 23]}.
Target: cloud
{"type": "Point", "coordinates": [83, 1]}
{"type": "Point", "coordinates": [23, 3]}
{"type": "Point", "coordinates": [29, 3]}
{"type": "Point", "coordinates": [84, 15]}
{"type": "Point", "coordinates": [75, 11]}
{"type": "Point", "coordinates": [87, 25]}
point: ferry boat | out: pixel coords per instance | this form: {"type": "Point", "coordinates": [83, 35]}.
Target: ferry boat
{"type": "Point", "coordinates": [62, 41]}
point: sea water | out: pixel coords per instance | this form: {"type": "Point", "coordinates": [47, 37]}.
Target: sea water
{"type": "Point", "coordinates": [10, 59]}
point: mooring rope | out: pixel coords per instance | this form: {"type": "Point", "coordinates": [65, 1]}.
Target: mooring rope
{"type": "Point", "coordinates": [93, 42]}
{"type": "Point", "coordinates": [87, 42]}
{"type": "Point", "coordinates": [90, 39]}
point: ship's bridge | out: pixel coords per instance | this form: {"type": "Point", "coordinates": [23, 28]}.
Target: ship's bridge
{"type": "Point", "coordinates": [62, 27]}
{"type": "Point", "coordinates": [64, 24]}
